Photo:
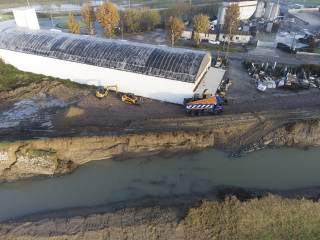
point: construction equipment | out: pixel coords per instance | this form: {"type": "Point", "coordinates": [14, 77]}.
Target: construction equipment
{"type": "Point", "coordinates": [207, 106]}
{"type": "Point", "coordinates": [130, 98]}
{"type": "Point", "coordinates": [104, 91]}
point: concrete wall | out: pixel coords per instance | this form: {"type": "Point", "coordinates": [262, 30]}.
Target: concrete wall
{"type": "Point", "coordinates": [236, 38]}
{"type": "Point", "coordinates": [213, 37]}
{"type": "Point", "coordinates": [142, 85]}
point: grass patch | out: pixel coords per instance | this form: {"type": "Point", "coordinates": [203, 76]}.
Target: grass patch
{"type": "Point", "coordinates": [4, 144]}
{"type": "Point", "coordinates": [5, 17]}
{"type": "Point", "coordinates": [12, 78]}
{"type": "Point", "coordinates": [41, 153]}
{"type": "Point", "coordinates": [207, 46]}
{"type": "Point", "coordinates": [317, 50]}
{"type": "Point", "coordinates": [270, 217]}
{"type": "Point", "coordinates": [64, 24]}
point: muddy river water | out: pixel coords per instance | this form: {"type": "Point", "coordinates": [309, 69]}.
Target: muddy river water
{"type": "Point", "coordinates": [104, 182]}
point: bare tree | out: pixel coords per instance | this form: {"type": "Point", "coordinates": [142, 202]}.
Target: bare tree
{"type": "Point", "coordinates": [200, 25]}
{"type": "Point", "coordinates": [175, 28]}
{"type": "Point", "coordinates": [88, 17]}
{"type": "Point", "coordinates": [73, 25]}
{"type": "Point", "coordinates": [108, 16]}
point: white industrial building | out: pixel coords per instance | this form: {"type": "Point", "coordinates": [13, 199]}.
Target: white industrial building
{"type": "Point", "coordinates": [162, 73]}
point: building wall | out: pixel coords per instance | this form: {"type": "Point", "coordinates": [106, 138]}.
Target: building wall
{"type": "Point", "coordinates": [236, 38]}
{"type": "Point", "coordinates": [213, 37]}
{"type": "Point", "coordinates": [142, 85]}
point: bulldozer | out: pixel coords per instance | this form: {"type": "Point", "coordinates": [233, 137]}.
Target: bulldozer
{"type": "Point", "coordinates": [104, 91]}
{"type": "Point", "coordinates": [130, 98]}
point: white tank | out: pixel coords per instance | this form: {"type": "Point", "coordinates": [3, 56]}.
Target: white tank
{"type": "Point", "coordinates": [275, 12]}
{"type": "Point", "coordinates": [260, 10]}
{"type": "Point", "coordinates": [268, 11]}
{"type": "Point", "coordinates": [221, 15]}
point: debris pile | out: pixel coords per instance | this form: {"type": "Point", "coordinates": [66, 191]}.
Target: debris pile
{"type": "Point", "coordinates": [270, 76]}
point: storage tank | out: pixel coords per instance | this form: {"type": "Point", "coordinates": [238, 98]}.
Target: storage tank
{"type": "Point", "coordinates": [275, 12]}
{"type": "Point", "coordinates": [221, 15]}
{"type": "Point", "coordinates": [268, 11]}
{"type": "Point", "coordinates": [260, 10]}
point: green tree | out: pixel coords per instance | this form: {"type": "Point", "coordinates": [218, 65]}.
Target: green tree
{"type": "Point", "coordinates": [108, 16]}
{"type": "Point", "coordinates": [200, 25]}
{"type": "Point", "coordinates": [73, 25]}
{"type": "Point", "coordinates": [231, 22]}
{"type": "Point", "coordinates": [88, 17]}
{"type": "Point", "coordinates": [149, 19]}
{"type": "Point", "coordinates": [175, 28]}
{"type": "Point", "coordinates": [131, 20]}
{"type": "Point", "coordinates": [139, 20]}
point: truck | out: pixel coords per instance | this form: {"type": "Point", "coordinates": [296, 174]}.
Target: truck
{"type": "Point", "coordinates": [206, 106]}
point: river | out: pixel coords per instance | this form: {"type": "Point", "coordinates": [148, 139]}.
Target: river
{"type": "Point", "coordinates": [105, 182]}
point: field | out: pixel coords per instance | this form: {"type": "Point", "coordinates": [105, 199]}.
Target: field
{"type": "Point", "coordinates": [271, 217]}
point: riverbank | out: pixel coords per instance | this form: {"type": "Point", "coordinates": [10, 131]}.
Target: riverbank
{"type": "Point", "coordinates": [244, 217]}
{"type": "Point", "coordinates": [234, 133]}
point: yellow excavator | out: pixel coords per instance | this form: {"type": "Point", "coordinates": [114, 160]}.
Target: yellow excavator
{"type": "Point", "coordinates": [104, 91]}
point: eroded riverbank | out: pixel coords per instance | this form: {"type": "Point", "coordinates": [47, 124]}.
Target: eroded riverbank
{"type": "Point", "coordinates": [233, 133]}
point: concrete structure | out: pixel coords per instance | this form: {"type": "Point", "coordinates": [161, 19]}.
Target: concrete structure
{"type": "Point", "coordinates": [272, 11]}
{"type": "Point", "coordinates": [161, 73]}
{"type": "Point", "coordinates": [26, 18]}
{"type": "Point", "coordinates": [247, 9]}
{"type": "Point", "coordinates": [260, 10]}
{"type": "Point", "coordinates": [239, 38]}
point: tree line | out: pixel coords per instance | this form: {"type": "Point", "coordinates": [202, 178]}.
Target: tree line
{"type": "Point", "coordinates": [136, 20]}
{"type": "Point", "coordinates": [112, 20]}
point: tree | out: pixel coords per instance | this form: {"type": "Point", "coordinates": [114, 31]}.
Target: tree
{"type": "Point", "coordinates": [109, 18]}
{"type": "Point", "coordinates": [231, 22]}
{"type": "Point", "coordinates": [180, 9]}
{"type": "Point", "coordinates": [150, 19]}
{"type": "Point", "coordinates": [73, 25]}
{"type": "Point", "coordinates": [142, 19]}
{"type": "Point", "coordinates": [131, 20]}
{"type": "Point", "coordinates": [175, 28]}
{"type": "Point", "coordinates": [200, 25]}
{"type": "Point", "coordinates": [88, 17]}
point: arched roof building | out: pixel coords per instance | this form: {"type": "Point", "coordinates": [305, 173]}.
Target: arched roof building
{"type": "Point", "coordinates": [171, 63]}
{"type": "Point", "coordinates": [163, 73]}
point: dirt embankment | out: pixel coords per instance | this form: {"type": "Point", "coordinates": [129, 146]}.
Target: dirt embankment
{"type": "Point", "coordinates": [246, 132]}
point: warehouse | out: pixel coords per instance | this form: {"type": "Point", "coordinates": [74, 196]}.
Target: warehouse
{"type": "Point", "coordinates": [155, 72]}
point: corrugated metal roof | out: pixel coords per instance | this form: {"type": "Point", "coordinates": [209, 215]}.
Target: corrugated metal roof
{"type": "Point", "coordinates": [171, 63]}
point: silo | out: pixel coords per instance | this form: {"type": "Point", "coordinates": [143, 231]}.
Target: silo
{"type": "Point", "coordinates": [275, 12]}
{"type": "Point", "coordinates": [260, 10]}
{"type": "Point", "coordinates": [268, 11]}
{"type": "Point", "coordinates": [221, 14]}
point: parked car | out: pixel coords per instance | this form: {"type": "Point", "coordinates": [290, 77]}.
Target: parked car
{"type": "Point", "coordinates": [214, 42]}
